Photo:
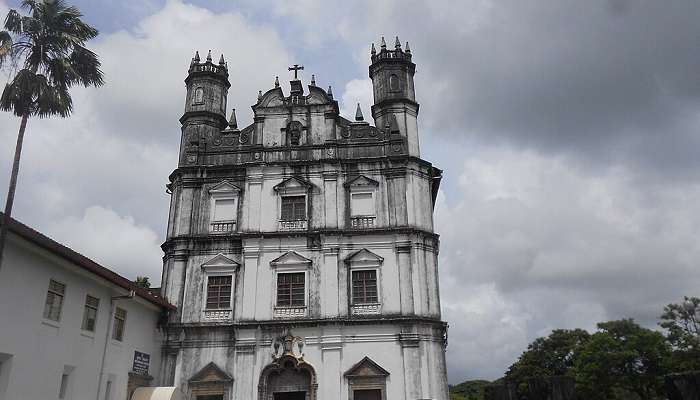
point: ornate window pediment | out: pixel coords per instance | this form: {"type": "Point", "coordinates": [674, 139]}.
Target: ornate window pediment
{"type": "Point", "coordinates": [220, 263]}
{"type": "Point", "coordinates": [361, 181]}
{"type": "Point", "coordinates": [364, 257]}
{"type": "Point", "coordinates": [224, 187]}
{"type": "Point", "coordinates": [209, 381]}
{"type": "Point", "coordinates": [293, 184]}
{"type": "Point", "coordinates": [291, 259]}
{"type": "Point", "coordinates": [366, 368]}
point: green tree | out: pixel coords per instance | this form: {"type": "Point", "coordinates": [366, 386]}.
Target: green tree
{"type": "Point", "coordinates": [548, 356]}
{"type": "Point", "coordinates": [48, 47]}
{"type": "Point", "coordinates": [682, 322]}
{"type": "Point", "coordinates": [468, 390]}
{"type": "Point", "coordinates": [622, 358]}
{"type": "Point", "coordinates": [142, 282]}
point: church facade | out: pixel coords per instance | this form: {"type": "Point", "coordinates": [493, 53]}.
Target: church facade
{"type": "Point", "coordinates": [300, 249]}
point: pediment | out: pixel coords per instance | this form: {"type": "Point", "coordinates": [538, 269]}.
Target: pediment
{"type": "Point", "coordinates": [361, 181]}
{"type": "Point", "coordinates": [271, 98]}
{"type": "Point", "coordinates": [366, 368]}
{"type": "Point", "coordinates": [364, 256]}
{"type": "Point", "coordinates": [224, 187]}
{"type": "Point", "coordinates": [292, 183]}
{"type": "Point", "coordinates": [317, 96]}
{"type": "Point", "coordinates": [220, 262]}
{"type": "Point", "coordinates": [290, 258]}
{"type": "Point", "coordinates": [211, 373]}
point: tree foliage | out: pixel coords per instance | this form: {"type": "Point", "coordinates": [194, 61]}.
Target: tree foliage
{"type": "Point", "coordinates": [548, 356]}
{"type": "Point", "coordinates": [142, 282]}
{"type": "Point", "coordinates": [48, 48]}
{"type": "Point", "coordinates": [682, 322]}
{"type": "Point", "coordinates": [622, 357]}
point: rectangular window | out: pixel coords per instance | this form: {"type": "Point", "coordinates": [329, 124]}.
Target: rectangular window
{"type": "Point", "coordinates": [219, 292]}
{"type": "Point", "coordinates": [54, 300]}
{"type": "Point", "coordinates": [290, 289]}
{"type": "Point", "coordinates": [119, 324]}
{"type": "Point", "coordinates": [224, 210]}
{"type": "Point", "coordinates": [364, 287]}
{"type": "Point", "coordinates": [92, 304]}
{"type": "Point", "coordinates": [362, 204]}
{"type": "Point", "coordinates": [293, 208]}
{"type": "Point", "coordinates": [367, 394]}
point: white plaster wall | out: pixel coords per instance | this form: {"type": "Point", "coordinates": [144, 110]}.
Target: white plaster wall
{"type": "Point", "coordinates": [41, 349]}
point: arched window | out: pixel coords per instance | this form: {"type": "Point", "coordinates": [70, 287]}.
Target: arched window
{"type": "Point", "coordinates": [198, 95]}
{"type": "Point", "coordinates": [394, 83]}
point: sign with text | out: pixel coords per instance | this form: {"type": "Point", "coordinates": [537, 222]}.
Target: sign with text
{"type": "Point", "coordinates": [141, 363]}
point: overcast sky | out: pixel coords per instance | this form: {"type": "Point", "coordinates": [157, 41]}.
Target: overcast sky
{"type": "Point", "coordinates": [569, 132]}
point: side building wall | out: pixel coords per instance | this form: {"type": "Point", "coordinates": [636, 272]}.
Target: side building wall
{"type": "Point", "coordinates": [36, 352]}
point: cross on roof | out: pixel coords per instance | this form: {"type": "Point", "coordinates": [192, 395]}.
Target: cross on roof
{"type": "Point", "coordinates": [296, 68]}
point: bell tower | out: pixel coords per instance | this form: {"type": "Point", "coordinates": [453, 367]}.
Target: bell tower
{"type": "Point", "coordinates": [392, 73]}
{"type": "Point", "coordinates": [205, 105]}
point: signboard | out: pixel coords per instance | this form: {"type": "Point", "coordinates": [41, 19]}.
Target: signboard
{"type": "Point", "coordinates": [141, 362]}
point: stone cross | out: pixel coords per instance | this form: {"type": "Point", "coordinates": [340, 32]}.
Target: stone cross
{"type": "Point", "coordinates": [296, 68]}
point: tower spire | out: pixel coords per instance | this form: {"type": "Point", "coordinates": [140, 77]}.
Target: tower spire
{"type": "Point", "coordinates": [196, 56]}
{"type": "Point", "coordinates": [277, 81]}
{"type": "Point", "coordinates": [209, 56]}
{"type": "Point", "coordinates": [373, 51]}
{"type": "Point", "coordinates": [232, 123]}
{"type": "Point", "coordinates": [259, 95]}
{"type": "Point", "coordinates": [313, 80]}
{"type": "Point", "coordinates": [330, 91]}
{"type": "Point", "coordinates": [383, 44]}
{"type": "Point", "coordinates": [397, 44]}
{"type": "Point", "coordinates": [358, 114]}
{"type": "Point", "coordinates": [221, 59]}
{"type": "Point", "coordinates": [408, 49]}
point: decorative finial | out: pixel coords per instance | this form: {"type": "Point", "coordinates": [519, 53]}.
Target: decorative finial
{"type": "Point", "coordinates": [313, 80]}
{"type": "Point", "coordinates": [277, 81]}
{"type": "Point", "coordinates": [397, 44]}
{"type": "Point", "coordinates": [196, 56]}
{"type": "Point", "coordinates": [408, 49]}
{"type": "Point", "coordinates": [209, 56]}
{"type": "Point", "coordinates": [358, 114]}
{"type": "Point", "coordinates": [221, 60]}
{"type": "Point", "coordinates": [373, 51]}
{"type": "Point", "coordinates": [383, 44]}
{"type": "Point", "coordinates": [232, 123]}
{"type": "Point", "coordinates": [259, 95]}
{"type": "Point", "coordinates": [330, 91]}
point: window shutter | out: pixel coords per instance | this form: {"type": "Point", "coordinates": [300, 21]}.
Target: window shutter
{"type": "Point", "coordinates": [362, 204]}
{"type": "Point", "coordinates": [224, 210]}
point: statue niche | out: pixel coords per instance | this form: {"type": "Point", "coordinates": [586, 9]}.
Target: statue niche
{"type": "Point", "coordinates": [288, 376]}
{"type": "Point", "coordinates": [294, 131]}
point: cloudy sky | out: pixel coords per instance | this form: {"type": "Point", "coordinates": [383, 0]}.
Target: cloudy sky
{"type": "Point", "coordinates": [569, 132]}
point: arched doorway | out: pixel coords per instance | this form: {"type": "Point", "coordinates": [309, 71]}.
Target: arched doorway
{"type": "Point", "coordinates": [288, 377]}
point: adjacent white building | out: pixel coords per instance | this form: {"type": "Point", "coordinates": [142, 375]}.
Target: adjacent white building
{"type": "Point", "coordinates": [300, 250]}
{"type": "Point", "coordinates": [70, 328]}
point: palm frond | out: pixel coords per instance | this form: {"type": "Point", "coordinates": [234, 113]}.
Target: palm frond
{"type": "Point", "coordinates": [86, 65]}
{"type": "Point", "coordinates": [5, 47]}
{"type": "Point", "coordinates": [13, 22]}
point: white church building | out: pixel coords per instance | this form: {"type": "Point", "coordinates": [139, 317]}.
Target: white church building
{"type": "Point", "coordinates": [300, 250]}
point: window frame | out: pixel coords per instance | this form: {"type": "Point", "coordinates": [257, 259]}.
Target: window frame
{"type": "Point", "coordinates": [197, 90]}
{"type": "Point", "coordinates": [290, 262]}
{"type": "Point", "coordinates": [209, 277]}
{"type": "Point", "coordinates": [291, 296]}
{"type": "Point", "coordinates": [376, 285]}
{"type": "Point", "coordinates": [54, 293]}
{"type": "Point", "coordinates": [224, 190]}
{"type": "Point", "coordinates": [219, 265]}
{"type": "Point", "coordinates": [122, 331]}
{"type": "Point", "coordinates": [359, 191]}
{"type": "Point", "coordinates": [87, 307]}
{"type": "Point", "coordinates": [306, 206]}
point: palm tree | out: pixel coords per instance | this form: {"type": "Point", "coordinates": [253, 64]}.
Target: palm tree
{"type": "Point", "coordinates": [48, 47]}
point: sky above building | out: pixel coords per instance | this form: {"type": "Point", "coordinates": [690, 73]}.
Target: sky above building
{"type": "Point", "coordinates": [569, 132]}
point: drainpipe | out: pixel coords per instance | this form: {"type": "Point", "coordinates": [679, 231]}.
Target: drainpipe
{"type": "Point", "coordinates": [112, 305]}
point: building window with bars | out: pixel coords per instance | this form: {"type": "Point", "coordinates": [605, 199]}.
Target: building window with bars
{"type": "Point", "coordinates": [119, 324]}
{"type": "Point", "coordinates": [290, 289]}
{"type": "Point", "coordinates": [219, 292]}
{"type": "Point", "coordinates": [293, 208]}
{"type": "Point", "coordinates": [92, 304]}
{"type": "Point", "coordinates": [364, 287]}
{"type": "Point", "coordinates": [54, 300]}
